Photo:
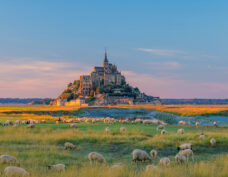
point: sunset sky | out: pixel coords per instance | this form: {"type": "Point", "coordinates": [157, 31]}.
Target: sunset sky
{"type": "Point", "coordinates": [171, 49]}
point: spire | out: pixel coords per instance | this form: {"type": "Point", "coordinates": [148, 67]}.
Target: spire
{"type": "Point", "coordinates": [105, 57]}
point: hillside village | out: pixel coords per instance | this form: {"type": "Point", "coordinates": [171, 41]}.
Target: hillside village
{"type": "Point", "coordinates": [105, 85]}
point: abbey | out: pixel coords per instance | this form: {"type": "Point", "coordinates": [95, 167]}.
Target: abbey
{"type": "Point", "coordinates": [107, 74]}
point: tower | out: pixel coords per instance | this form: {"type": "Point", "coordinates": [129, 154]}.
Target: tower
{"type": "Point", "coordinates": [105, 61]}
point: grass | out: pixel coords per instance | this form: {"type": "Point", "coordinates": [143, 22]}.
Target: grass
{"type": "Point", "coordinates": [43, 145]}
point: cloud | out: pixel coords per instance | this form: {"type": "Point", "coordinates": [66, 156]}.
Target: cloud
{"type": "Point", "coordinates": [164, 66]}
{"type": "Point", "coordinates": [35, 78]}
{"type": "Point", "coordinates": [163, 52]}
{"type": "Point", "coordinates": [171, 87]}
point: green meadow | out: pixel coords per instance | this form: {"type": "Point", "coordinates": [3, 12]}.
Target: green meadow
{"type": "Point", "coordinates": [43, 145]}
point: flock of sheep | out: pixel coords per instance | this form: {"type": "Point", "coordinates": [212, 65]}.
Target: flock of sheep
{"type": "Point", "coordinates": [185, 150]}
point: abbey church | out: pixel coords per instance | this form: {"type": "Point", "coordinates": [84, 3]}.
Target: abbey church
{"type": "Point", "coordinates": [107, 74]}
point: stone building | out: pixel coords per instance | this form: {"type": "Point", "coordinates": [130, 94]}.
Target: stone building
{"type": "Point", "coordinates": [107, 74]}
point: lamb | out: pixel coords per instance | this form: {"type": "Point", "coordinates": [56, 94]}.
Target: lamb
{"type": "Point", "coordinates": [165, 161]}
{"type": "Point", "coordinates": [73, 125]}
{"type": "Point", "coordinates": [57, 167]}
{"type": "Point", "coordinates": [12, 171]}
{"type": "Point", "coordinates": [7, 159]}
{"type": "Point", "coordinates": [31, 126]}
{"type": "Point", "coordinates": [69, 145]}
{"type": "Point", "coordinates": [202, 136]}
{"type": "Point", "coordinates": [96, 157]}
{"type": "Point", "coordinates": [140, 155]}
{"type": "Point", "coordinates": [180, 159]}
{"type": "Point", "coordinates": [184, 146]}
{"type": "Point", "coordinates": [213, 142]}
{"type": "Point", "coordinates": [153, 153]}
{"type": "Point", "coordinates": [160, 127]}
{"type": "Point", "coordinates": [150, 167]}
{"type": "Point", "coordinates": [180, 131]}
{"type": "Point", "coordinates": [187, 153]}
{"type": "Point", "coordinates": [107, 130]}
{"type": "Point", "coordinates": [164, 132]}
{"type": "Point", "coordinates": [122, 129]}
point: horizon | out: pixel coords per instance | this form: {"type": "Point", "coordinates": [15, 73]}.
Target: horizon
{"type": "Point", "coordinates": [171, 50]}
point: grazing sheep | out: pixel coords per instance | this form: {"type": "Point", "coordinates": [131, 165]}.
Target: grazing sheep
{"type": "Point", "coordinates": [31, 126]}
{"type": "Point", "coordinates": [7, 159]}
{"type": "Point", "coordinates": [153, 153]}
{"type": "Point", "coordinates": [57, 167]}
{"type": "Point", "coordinates": [122, 129]}
{"type": "Point", "coordinates": [8, 122]}
{"type": "Point", "coordinates": [107, 130]}
{"type": "Point", "coordinates": [202, 136]}
{"type": "Point", "coordinates": [43, 121]}
{"type": "Point", "coordinates": [182, 122]}
{"type": "Point", "coordinates": [160, 127]}
{"type": "Point", "coordinates": [151, 167]}
{"type": "Point", "coordinates": [164, 132]}
{"type": "Point", "coordinates": [73, 125]}
{"type": "Point", "coordinates": [180, 159]}
{"type": "Point", "coordinates": [96, 157]}
{"type": "Point", "coordinates": [184, 146]}
{"type": "Point", "coordinates": [93, 121]}
{"type": "Point", "coordinates": [187, 153]}
{"type": "Point", "coordinates": [140, 155]}
{"type": "Point", "coordinates": [69, 145]}
{"type": "Point", "coordinates": [165, 161]}
{"type": "Point", "coordinates": [197, 124]}
{"type": "Point", "coordinates": [180, 131]}
{"type": "Point", "coordinates": [12, 171]}
{"type": "Point", "coordinates": [18, 122]}
{"type": "Point", "coordinates": [213, 142]}
{"type": "Point", "coordinates": [138, 120]}
{"type": "Point", "coordinates": [69, 121]}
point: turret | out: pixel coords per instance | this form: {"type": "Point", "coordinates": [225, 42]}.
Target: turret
{"type": "Point", "coordinates": [105, 61]}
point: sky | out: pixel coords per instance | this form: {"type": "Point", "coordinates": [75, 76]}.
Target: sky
{"type": "Point", "coordinates": [170, 49]}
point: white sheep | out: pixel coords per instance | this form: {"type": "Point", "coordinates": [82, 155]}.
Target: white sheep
{"type": "Point", "coordinates": [185, 146]}
{"type": "Point", "coordinates": [213, 142]}
{"type": "Point", "coordinates": [7, 159]}
{"type": "Point", "coordinates": [180, 159]}
{"type": "Point", "coordinates": [202, 136]}
{"type": "Point", "coordinates": [12, 171]}
{"type": "Point", "coordinates": [164, 132]}
{"type": "Point", "coordinates": [151, 167]}
{"type": "Point", "coordinates": [140, 155]}
{"type": "Point", "coordinates": [69, 145]}
{"type": "Point", "coordinates": [165, 161]}
{"type": "Point", "coordinates": [180, 131]}
{"type": "Point", "coordinates": [122, 129]}
{"type": "Point", "coordinates": [18, 122]}
{"type": "Point", "coordinates": [96, 157]}
{"type": "Point", "coordinates": [160, 127]}
{"type": "Point", "coordinates": [187, 153]}
{"type": "Point", "coordinates": [31, 126]}
{"type": "Point", "coordinates": [8, 122]}
{"type": "Point", "coordinates": [57, 167]}
{"type": "Point", "coordinates": [107, 130]}
{"type": "Point", "coordinates": [153, 153]}
{"type": "Point", "coordinates": [73, 125]}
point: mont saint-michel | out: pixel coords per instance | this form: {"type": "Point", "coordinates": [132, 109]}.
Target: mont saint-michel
{"type": "Point", "coordinates": [105, 85]}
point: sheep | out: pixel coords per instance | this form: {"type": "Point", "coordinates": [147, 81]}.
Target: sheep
{"type": "Point", "coordinates": [18, 122]}
{"type": "Point", "coordinates": [69, 145]}
{"type": "Point", "coordinates": [165, 161]}
{"type": "Point", "coordinates": [140, 155]}
{"type": "Point", "coordinates": [187, 153]}
{"type": "Point", "coordinates": [184, 146]}
{"type": "Point", "coordinates": [153, 153]}
{"type": "Point", "coordinates": [197, 124]}
{"type": "Point", "coordinates": [180, 131]}
{"type": "Point", "coordinates": [43, 121]}
{"type": "Point", "coordinates": [93, 121]}
{"type": "Point", "coordinates": [69, 121]}
{"type": "Point", "coordinates": [122, 129]}
{"type": "Point", "coordinates": [8, 122]}
{"type": "Point", "coordinates": [31, 126]}
{"type": "Point", "coordinates": [7, 159]}
{"type": "Point", "coordinates": [202, 136]}
{"type": "Point", "coordinates": [138, 120]}
{"type": "Point", "coordinates": [213, 142]}
{"type": "Point", "coordinates": [117, 165]}
{"type": "Point", "coordinates": [180, 159]}
{"type": "Point", "coordinates": [164, 132]}
{"type": "Point", "coordinates": [151, 167]}
{"type": "Point", "coordinates": [96, 157]}
{"type": "Point", "coordinates": [107, 130]}
{"type": "Point", "coordinates": [57, 167]}
{"type": "Point", "coordinates": [12, 171]}
{"type": "Point", "coordinates": [73, 125]}
{"type": "Point", "coordinates": [160, 127]}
